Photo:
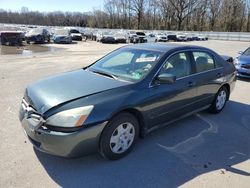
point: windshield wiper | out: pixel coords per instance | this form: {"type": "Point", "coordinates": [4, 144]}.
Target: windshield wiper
{"type": "Point", "coordinates": [104, 74]}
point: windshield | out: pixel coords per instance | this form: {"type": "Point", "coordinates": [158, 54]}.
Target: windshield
{"type": "Point", "coordinates": [36, 31]}
{"type": "Point", "coordinates": [140, 33]}
{"type": "Point", "coordinates": [61, 32]}
{"type": "Point", "coordinates": [127, 64]}
{"type": "Point", "coordinates": [247, 52]}
{"type": "Point", "coordinates": [74, 31]}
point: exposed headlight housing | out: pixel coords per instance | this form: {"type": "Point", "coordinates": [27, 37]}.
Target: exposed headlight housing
{"type": "Point", "coordinates": [236, 62]}
{"type": "Point", "coordinates": [70, 118]}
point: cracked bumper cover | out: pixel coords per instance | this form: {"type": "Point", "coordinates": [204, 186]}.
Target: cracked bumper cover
{"type": "Point", "coordinates": [66, 144]}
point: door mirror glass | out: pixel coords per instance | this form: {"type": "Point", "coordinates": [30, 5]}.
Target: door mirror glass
{"type": "Point", "coordinates": [166, 78]}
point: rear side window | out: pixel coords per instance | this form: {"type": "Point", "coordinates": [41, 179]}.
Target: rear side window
{"type": "Point", "coordinates": [204, 61]}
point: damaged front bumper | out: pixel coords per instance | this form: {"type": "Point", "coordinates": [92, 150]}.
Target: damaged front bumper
{"type": "Point", "coordinates": [66, 144]}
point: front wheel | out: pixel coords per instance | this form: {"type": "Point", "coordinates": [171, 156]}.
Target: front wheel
{"type": "Point", "coordinates": [219, 101]}
{"type": "Point", "coordinates": [119, 136]}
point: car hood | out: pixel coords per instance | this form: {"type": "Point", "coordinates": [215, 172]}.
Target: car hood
{"type": "Point", "coordinates": [108, 36]}
{"type": "Point", "coordinates": [76, 34]}
{"type": "Point", "coordinates": [32, 35]}
{"type": "Point", "coordinates": [52, 91]}
{"type": "Point", "coordinates": [244, 59]}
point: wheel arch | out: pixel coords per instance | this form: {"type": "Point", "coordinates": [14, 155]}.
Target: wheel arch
{"type": "Point", "coordinates": [227, 86]}
{"type": "Point", "coordinates": [138, 115]}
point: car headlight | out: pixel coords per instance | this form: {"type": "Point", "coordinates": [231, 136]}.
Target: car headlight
{"type": "Point", "coordinates": [70, 118]}
{"type": "Point", "coordinates": [236, 62]}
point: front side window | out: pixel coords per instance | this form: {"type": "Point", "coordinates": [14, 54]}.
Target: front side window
{"type": "Point", "coordinates": [203, 61]}
{"type": "Point", "coordinates": [127, 63]}
{"type": "Point", "coordinates": [178, 65]}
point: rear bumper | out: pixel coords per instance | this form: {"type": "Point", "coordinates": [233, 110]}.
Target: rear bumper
{"type": "Point", "coordinates": [70, 144]}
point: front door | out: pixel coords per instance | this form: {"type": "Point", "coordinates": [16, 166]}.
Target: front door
{"type": "Point", "coordinates": [170, 101]}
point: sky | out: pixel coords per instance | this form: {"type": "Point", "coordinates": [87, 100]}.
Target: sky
{"type": "Point", "coordinates": [52, 5]}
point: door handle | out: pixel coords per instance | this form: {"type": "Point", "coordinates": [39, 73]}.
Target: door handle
{"type": "Point", "coordinates": [191, 84]}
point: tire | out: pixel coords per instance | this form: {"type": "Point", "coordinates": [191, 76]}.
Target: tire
{"type": "Point", "coordinates": [219, 100]}
{"type": "Point", "coordinates": [113, 139]}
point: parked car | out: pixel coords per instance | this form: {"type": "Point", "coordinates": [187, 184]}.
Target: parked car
{"type": "Point", "coordinates": [62, 36]}
{"type": "Point", "coordinates": [12, 38]}
{"type": "Point", "coordinates": [191, 37]}
{"type": "Point", "coordinates": [129, 92]}
{"type": "Point", "coordinates": [141, 37]}
{"type": "Point", "coordinates": [37, 35]}
{"type": "Point", "coordinates": [75, 34]}
{"type": "Point", "coordinates": [181, 37]}
{"type": "Point", "coordinates": [171, 36]}
{"type": "Point", "coordinates": [132, 36]}
{"type": "Point", "coordinates": [151, 38]}
{"type": "Point", "coordinates": [105, 37]}
{"type": "Point", "coordinates": [88, 35]}
{"type": "Point", "coordinates": [242, 64]}
{"type": "Point", "coordinates": [137, 37]}
{"type": "Point", "coordinates": [161, 37]}
{"type": "Point", "coordinates": [202, 37]}
{"type": "Point", "coordinates": [120, 37]}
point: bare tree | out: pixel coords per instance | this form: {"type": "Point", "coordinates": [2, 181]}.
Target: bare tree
{"type": "Point", "coordinates": [183, 8]}
{"type": "Point", "coordinates": [219, 15]}
{"type": "Point", "coordinates": [214, 9]}
{"type": "Point", "coordinates": [138, 7]}
{"type": "Point", "coordinates": [248, 15]}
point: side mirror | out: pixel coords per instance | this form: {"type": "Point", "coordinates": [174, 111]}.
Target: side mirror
{"type": "Point", "coordinates": [166, 78]}
{"type": "Point", "coordinates": [240, 52]}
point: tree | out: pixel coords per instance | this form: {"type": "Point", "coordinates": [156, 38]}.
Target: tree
{"type": "Point", "coordinates": [214, 10]}
{"type": "Point", "coordinates": [138, 7]}
{"type": "Point", "coordinates": [183, 8]}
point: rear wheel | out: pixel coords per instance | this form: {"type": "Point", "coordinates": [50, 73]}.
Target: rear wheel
{"type": "Point", "coordinates": [119, 136]}
{"type": "Point", "coordinates": [219, 101]}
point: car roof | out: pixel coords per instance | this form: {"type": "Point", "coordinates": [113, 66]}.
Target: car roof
{"type": "Point", "coordinates": [164, 47]}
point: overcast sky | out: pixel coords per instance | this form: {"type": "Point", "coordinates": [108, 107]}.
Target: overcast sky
{"type": "Point", "coordinates": [52, 5]}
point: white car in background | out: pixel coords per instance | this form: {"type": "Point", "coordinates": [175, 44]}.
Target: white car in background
{"type": "Point", "coordinates": [161, 37]}
{"type": "Point", "coordinates": [181, 37]}
{"type": "Point", "coordinates": [150, 37]}
{"type": "Point", "coordinates": [202, 37]}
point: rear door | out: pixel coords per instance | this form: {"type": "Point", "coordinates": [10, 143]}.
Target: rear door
{"type": "Point", "coordinates": [209, 76]}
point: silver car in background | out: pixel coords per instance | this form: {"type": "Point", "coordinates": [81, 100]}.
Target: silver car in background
{"type": "Point", "coordinates": [242, 64]}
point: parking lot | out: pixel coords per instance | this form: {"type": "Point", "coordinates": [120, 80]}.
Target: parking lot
{"type": "Point", "coordinates": [203, 150]}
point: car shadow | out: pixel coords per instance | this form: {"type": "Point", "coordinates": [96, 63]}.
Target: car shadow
{"type": "Point", "coordinates": [168, 157]}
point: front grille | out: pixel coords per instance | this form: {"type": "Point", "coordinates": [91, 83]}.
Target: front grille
{"type": "Point", "coordinates": [246, 66]}
{"type": "Point", "coordinates": [30, 111]}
